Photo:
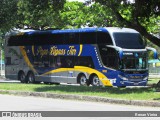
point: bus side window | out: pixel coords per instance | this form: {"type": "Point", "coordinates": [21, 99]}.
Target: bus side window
{"type": "Point", "coordinates": [58, 62]}
{"type": "Point", "coordinates": [84, 61]}
{"type": "Point", "coordinates": [71, 38]}
{"type": "Point", "coordinates": [36, 61]}
{"type": "Point", "coordinates": [67, 61]}
{"type": "Point", "coordinates": [104, 38]}
{"type": "Point", "coordinates": [87, 38]}
{"type": "Point", "coordinates": [108, 56]}
{"type": "Point", "coordinates": [45, 60]}
{"type": "Point", "coordinates": [8, 61]}
{"type": "Point", "coordinates": [112, 59]}
{"type": "Point", "coordinates": [52, 62]}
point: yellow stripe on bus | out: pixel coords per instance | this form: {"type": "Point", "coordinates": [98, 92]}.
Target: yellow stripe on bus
{"type": "Point", "coordinates": [33, 50]}
{"type": "Point", "coordinates": [22, 49]}
{"type": "Point", "coordinates": [88, 70]}
{"type": "Point", "coordinates": [80, 49]}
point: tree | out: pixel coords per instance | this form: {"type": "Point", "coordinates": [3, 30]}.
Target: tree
{"type": "Point", "coordinates": [8, 14]}
{"type": "Point", "coordinates": [142, 15]}
{"type": "Point", "coordinates": [30, 13]}
{"type": "Point", "coordinates": [38, 14]}
{"type": "Point", "coordinates": [77, 14]}
{"type": "Point", "coordinates": [71, 16]}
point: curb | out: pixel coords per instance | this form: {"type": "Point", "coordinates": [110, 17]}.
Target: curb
{"type": "Point", "coordinates": [84, 98]}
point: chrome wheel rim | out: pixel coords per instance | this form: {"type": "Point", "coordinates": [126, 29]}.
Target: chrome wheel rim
{"type": "Point", "coordinates": [30, 78]}
{"type": "Point", "coordinates": [22, 77]}
{"type": "Point", "coordinates": [83, 80]}
{"type": "Point", "coordinates": [96, 81]}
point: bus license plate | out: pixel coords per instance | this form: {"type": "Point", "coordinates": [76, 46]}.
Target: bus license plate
{"type": "Point", "coordinates": [136, 83]}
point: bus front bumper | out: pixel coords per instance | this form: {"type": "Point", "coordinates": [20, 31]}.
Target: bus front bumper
{"type": "Point", "coordinates": [133, 83]}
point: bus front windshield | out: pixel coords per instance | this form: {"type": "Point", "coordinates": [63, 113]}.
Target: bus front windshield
{"type": "Point", "coordinates": [131, 62]}
{"type": "Point", "coordinates": [129, 40]}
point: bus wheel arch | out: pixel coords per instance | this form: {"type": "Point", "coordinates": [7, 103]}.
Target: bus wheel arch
{"type": "Point", "coordinates": [21, 76]}
{"type": "Point", "coordinates": [94, 80]}
{"type": "Point", "coordinates": [82, 79]}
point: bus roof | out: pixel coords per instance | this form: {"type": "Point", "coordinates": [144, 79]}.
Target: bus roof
{"type": "Point", "coordinates": [67, 31]}
{"type": "Point", "coordinates": [105, 29]}
{"type": "Point", "coordinates": [124, 30]}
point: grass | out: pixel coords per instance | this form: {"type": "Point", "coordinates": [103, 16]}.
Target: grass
{"type": "Point", "coordinates": [153, 81]}
{"type": "Point", "coordinates": [136, 93]}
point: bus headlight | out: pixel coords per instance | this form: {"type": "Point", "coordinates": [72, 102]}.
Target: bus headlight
{"type": "Point", "coordinates": [122, 77]}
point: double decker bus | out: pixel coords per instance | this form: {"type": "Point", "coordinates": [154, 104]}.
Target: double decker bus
{"type": "Point", "coordinates": [108, 56]}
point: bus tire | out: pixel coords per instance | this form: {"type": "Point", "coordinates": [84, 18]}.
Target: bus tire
{"type": "Point", "coordinates": [22, 77]}
{"type": "Point", "coordinates": [30, 77]}
{"type": "Point", "coordinates": [82, 80]}
{"type": "Point", "coordinates": [95, 80]}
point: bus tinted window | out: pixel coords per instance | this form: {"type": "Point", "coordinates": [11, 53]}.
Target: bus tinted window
{"type": "Point", "coordinates": [104, 38]}
{"type": "Point", "coordinates": [63, 61]}
{"type": "Point", "coordinates": [84, 61]}
{"type": "Point", "coordinates": [55, 39]}
{"type": "Point", "coordinates": [109, 56]}
{"type": "Point", "coordinates": [8, 61]}
{"type": "Point", "coordinates": [15, 41]}
{"type": "Point", "coordinates": [36, 39]}
{"type": "Point", "coordinates": [129, 40]}
{"type": "Point", "coordinates": [44, 38]}
{"type": "Point", "coordinates": [88, 38]}
{"type": "Point", "coordinates": [71, 38]}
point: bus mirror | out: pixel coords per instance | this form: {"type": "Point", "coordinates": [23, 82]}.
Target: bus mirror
{"type": "Point", "coordinates": [154, 52]}
{"type": "Point", "coordinates": [155, 55]}
{"type": "Point", "coordinates": [120, 54]}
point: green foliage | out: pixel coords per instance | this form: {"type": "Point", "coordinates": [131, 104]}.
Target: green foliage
{"type": "Point", "coordinates": [137, 93]}
{"type": "Point", "coordinates": [76, 15]}
{"type": "Point", "coordinates": [99, 15]}
{"type": "Point", "coordinates": [72, 15]}
{"type": "Point", "coordinates": [38, 14]}
{"type": "Point", "coordinates": [150, 44]}
{"type": "Point", "coordinates": [35, 14]}
{"type": "Point", "coordinates": [142, 15]}
{"type": "Point", "coordinates": [1, 41]}
{"type": "Point", "coordinates": [8, 14]}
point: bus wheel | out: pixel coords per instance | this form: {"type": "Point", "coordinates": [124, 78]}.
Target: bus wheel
{"type": "Point", "coordinates": [82, 80]}
{"type": "Point", "coordinates": [95, 80]}
{"type": "Point", "coordinates": [30, 77]}
{"type": "Point", "coordinates": [22, 77]}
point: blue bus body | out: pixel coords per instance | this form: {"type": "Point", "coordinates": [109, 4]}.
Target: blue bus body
{"type": "Point", "coordinates": [68, 58]}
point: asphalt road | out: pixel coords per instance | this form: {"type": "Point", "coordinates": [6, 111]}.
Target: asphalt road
{"type": "Point", "coordinates": [19, 103]}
